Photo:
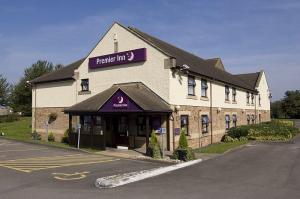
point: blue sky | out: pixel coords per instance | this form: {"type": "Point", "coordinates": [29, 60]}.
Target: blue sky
{"type": "Point", "coordinates": [247, 35]}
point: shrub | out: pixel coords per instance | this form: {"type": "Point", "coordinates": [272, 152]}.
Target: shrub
{"type": "Point", "coordinates": [155, 151]}
{"type": "Point", "coordinates": [65, 138]}
{"type": "Point", "coordinates": [9, 118]}
{"type": "Point", "coordinates": [183, 152]}
{"type": "Point", "coordinates": [183, 143]}
{"type": "Point", "coordinates": [227, 138]}
{"type": "Point", "coordinates": [51, 137]}
{"type": "Point", "coordinates": [274, 130]}
{"type": "Point", "coordinates": [35, 136]}
{"type": "Point", "coordinates": [243, 139]}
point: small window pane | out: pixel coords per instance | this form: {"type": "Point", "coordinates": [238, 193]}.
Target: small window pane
{"type": "Point", "coordinates": [184, 123]}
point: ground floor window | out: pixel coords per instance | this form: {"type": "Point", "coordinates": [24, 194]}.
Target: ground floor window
{"type": "Point", "coordinates": [205, 123]}
{"type": "Point", "coordinates": [184, 123]}
{"type": "Point", "coordinates": [227, 121]}
{"type": "Point", "coordinates": [248, 119]}
{"type": "Point", "coordinates": [141, 126]}
{"type": "Point", "coordinates": [234, 120]}
{"type": "Point", "coordinates": [253, 119]}
{"type": "Point", "coordinates": [86, 124]}
{"type": "Point", "coordinates": [259, 118]}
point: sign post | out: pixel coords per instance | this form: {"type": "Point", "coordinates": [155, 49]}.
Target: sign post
{"type": "Point", "coordinates": [162, 132]}
{"type": "Point", "coordinates": [78, 141]}
{"type": "Point", "coordinates": [47, 127]}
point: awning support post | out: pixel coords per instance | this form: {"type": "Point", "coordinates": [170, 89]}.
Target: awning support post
{"type": "Point", "coordinates": [147, 135]}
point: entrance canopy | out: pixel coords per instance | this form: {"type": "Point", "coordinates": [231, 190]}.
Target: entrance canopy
{"type": "Point", "coordinates": [128, 97]}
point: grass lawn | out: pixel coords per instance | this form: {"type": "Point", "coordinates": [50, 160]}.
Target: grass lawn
{"type": "Point", "coordinates": [220, 147]}
{"type": "Point", "coordinates": [19, 130]}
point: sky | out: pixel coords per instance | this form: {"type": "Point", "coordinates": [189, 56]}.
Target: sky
{"type": "Point", "coordinates": [247, 35]}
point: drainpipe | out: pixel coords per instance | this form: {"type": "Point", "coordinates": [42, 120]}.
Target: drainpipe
{"type": "Point", "coordinates": [200, 145]}
{"type": "Point", "coordinates": [35, 109]}
{"type": "Point", "coordinates": [211, 117]}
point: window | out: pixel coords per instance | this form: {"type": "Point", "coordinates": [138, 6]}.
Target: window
{"type": "Point", "coordinates": [234, 120]}
{"type": "Point", "coordinates": [86, 123]}
{"type": "Point", "coordinates": [191, 85]}
{"type": "Point", "coordinates": [205, 123]}
{"type": "Point", "coordinates": [141, 126]}
{"type": "Point", "coordinates": [248, 97]}
{"type": "Point", "coordinates": [85, 85]}
{"type": "Point", "coordinates": [234, 94]}
{"type": "Point", "coordinates": [184, 123]}
{"type": "Point", "coordinates": [259, 100]}
{"type": "Point", "coordinates": [116, 47]}
{"type": "Point", "coordinates": [253, 119]}
{"type": "Point", "coordinates": [227, 92]}
{"type": "Point", "coordinates": [227, 121]}
{"type": "Point", "coordinates": [248, 119]}
{"type": "Point", "coordinates": [204, 88]}
{"type": "Point", "coordinates": [259, 118]}
{"type": "Point", "coordinates": [252, 98]}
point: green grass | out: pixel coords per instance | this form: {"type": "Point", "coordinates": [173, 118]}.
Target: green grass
{"type": "Point", "coordinates": [19, 130]}
{"type": "Point", "coordinates": [220, 147]}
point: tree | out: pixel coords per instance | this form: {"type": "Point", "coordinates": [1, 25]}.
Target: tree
{"type": "Point", "coordinates": [276, 109]}
{"type": "Point", "coordinates": [5, 88]}
{"type": "Point", "coordinates": [21, 97]}
{"type": "Point", "coordinates": [291, 104]}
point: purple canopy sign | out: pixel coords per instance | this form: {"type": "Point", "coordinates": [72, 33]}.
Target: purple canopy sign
{"type": "Point", "coordinates": [126, 57]}
{"type": "Point", "coordinates": [120, 102]}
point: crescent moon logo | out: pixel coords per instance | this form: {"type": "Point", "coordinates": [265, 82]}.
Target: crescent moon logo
{"type": "Point", "coordinates": [120, 99]}
{"type": "Point", "coordinates": [130, 56]}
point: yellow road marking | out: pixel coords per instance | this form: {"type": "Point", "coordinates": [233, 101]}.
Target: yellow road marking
{"type": "Point", "coordinates": [41, 163]}
{"type": "Point", "coordinates": [72, 176]}
{"type": "Point", "coordinates": [33, 149]}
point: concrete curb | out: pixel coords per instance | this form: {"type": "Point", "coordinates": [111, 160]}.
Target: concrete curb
{"type": "Point", "coordinates": [122, 179]}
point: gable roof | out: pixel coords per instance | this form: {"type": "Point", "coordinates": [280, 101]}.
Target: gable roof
{"type": "Point", "coordinates": [197, 65]}
{"type": "Point", "coordinates": [249, 78]}
{"type": "Point", "coordinates": [139, 93]}
{"type": "Point", "coordinates": [65, 73]}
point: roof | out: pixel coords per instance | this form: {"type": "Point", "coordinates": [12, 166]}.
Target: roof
{"type": "Point", "coordinates": [197, 65]}
{"type": "Point", "coordinates": [249, 78]}
{"type": "Point", "coordinates": [65, 73]}
{"type": "Point", "coordinates": [139, 93]}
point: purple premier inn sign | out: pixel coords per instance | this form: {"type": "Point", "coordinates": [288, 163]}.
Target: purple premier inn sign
{"type": "Point", "coordinates": [120, 102]}
{"type": "Point", "coordinates": [126, 57]}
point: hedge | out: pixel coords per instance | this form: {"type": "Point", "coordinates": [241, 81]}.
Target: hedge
{"type": "Point", "coordinates": [274, 130]}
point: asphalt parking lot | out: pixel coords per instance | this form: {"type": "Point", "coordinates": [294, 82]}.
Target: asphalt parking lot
{"type": "Point", "coordinates": [38, 171]}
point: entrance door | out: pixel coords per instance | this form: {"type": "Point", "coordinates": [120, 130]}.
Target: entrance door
{"type": "Point", "coordinates": [121, 131]}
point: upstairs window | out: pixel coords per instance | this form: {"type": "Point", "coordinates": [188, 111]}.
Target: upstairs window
{"type": "Point", "coordinates": [227, 92]}
{"type": "Point", "coordinates": [234, 120]}
{"type": "Point", "coordinates": [191, 85]}
{"type": "Point", "coordinates": [227, 121]}
{"type": "Point", "coordinates": [248, 97]}
{"type": "Point", "coordinates": [259, 100]}
{"type": "Point", "coordinates": [252, 98]}
{"type": "Point", "coordinates": [204, 88]}
{"type": "Point", "coordinates": [234, 94]}
{"type": "Point", "coordinates": [205, 123]}
{"type": "Point", "coordinates": [85, 85]}
{"type": "Point", "coordinates": [184, 123]}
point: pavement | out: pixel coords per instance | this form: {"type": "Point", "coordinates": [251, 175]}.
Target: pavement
{"type": "Point", "coordinates": [258, 170]}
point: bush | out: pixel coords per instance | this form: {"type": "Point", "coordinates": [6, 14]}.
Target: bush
{"type": "Point", "coordinates": [183, 152]}
{"type": "Point", "coordinates": [154, 148]}
{"type": "Point", "coordinates": [51, 137]}
{"type": "Point", "coordinates": [9, 118]}
{"type": "Point", "coordinates": [65, 138]}
{"type": "Point", "coordinates": [227, 138]}
{"type": "Point", "coordinates": [35, 136]}
{"type": "Point", "coordinates": [243, 139]}
{"type": "Point", "coordinates": [274, 130]}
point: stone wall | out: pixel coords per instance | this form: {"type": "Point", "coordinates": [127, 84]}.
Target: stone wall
{"type": "Point", "coordinates": [58, 127]}
{"type": "Point", "coordinates": [198, 139]}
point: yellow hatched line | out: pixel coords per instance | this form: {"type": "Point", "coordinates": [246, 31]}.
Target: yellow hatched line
{"type": "Point", "coordinates": [34, 166]}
